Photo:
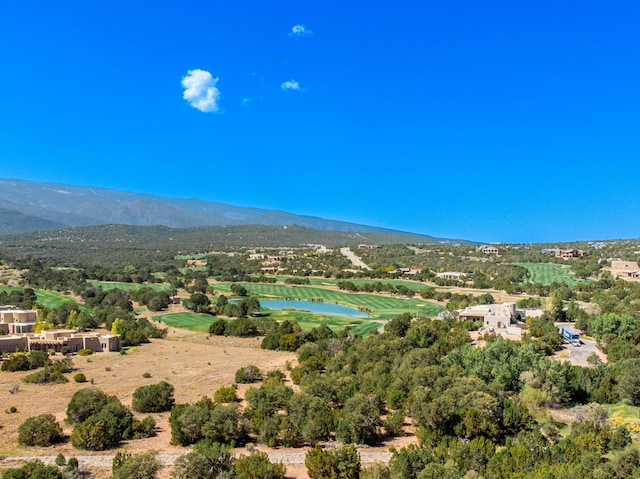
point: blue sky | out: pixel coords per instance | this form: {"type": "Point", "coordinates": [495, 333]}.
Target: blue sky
{"type": "Point", "coordinates": [490, 121]}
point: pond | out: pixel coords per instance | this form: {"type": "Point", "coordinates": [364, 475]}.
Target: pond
{"type": "Point", "coordinates": [312, 306]}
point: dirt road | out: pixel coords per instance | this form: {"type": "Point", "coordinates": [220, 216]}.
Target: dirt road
{"type": "Point", "coordinates": [354, 259]}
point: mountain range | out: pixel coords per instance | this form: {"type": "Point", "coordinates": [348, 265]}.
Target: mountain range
{"type": "Point", "coordinates": [27, 206]}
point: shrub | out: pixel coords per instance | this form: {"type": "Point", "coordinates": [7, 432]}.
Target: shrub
{"type": "Point", "coordinates": [104, 429]}
{"type": "Point", "coordinates": [271, 341]}
{"type": "Point", "coordinates": [47, 375]}
{"type": "Point", "coordinates": [225, 395]}
{"type": "Point", "coordinates": [144, 428]}
{"type": "Point", "coordinates": [146, 375]}
{"type": "Point", "coordinates": [225, 425]}
{"type": "Point", "coordinates": [242, 327]}
{"type": "Point", "coordinates": [248, 374]}
{"type": "Point", "coordinates": [341, 462]}
{"type": "Point", "coordinates": [207, 460]}
{"type": "Point", "coordinates": [33, 469]}
{"type": "Point", "coordinates": [256, 465]}
{"type": "Point", "coordinates": [84, 403]}
{"type": "Point", "coordinates": [13, 410]}
{"type": "Point", "coordinates": [79, 378]}
{"type": "Point", "coordinates": [26, 362]}
{"type": "Point", "coordinates": [64, 350]}
{"type": "Point", "coordinates": [51, 373]}
{"type": "Point", "coordinates": [153, 398]}
{"type": "Point", "coordinates": [40, 430]}
{"type": "Point", "coordinates": [60, 460]}
{"type": "Point", "coordinates": [138, 466]}
{"type": "Point", "coordinates": [218, 328]}
{"type": "Point", "coordinates": [186, 422]}
{"type": "Point", "coordinates": [85, 352]}
{"type": "Point", "coordinates": [72, 464]}
{"type": "Point", "coordinates": [191, 423]}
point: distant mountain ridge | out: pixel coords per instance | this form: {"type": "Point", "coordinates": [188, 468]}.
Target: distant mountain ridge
{"type": "Point", "coordinates": [27, 206]}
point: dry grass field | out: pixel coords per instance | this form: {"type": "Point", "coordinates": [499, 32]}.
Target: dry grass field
{"type": "Point", "coordinates": [195, 364]}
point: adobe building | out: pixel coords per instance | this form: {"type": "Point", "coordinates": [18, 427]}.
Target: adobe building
{"type": "Point", "coordinates": [56, 339]}
{"type": "Point", "coordinates": [17, 321]}
{"type": "Point", "coordinates": [18, 327]}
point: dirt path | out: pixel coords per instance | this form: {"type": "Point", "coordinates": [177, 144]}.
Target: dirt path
{"type": "Point", "coordinates": [354, 259]}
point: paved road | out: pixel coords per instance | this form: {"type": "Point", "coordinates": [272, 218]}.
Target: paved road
{"type": "Point", "coordinates": [578, 355]}
{"type": "Point", "coordinates": [354, 259]}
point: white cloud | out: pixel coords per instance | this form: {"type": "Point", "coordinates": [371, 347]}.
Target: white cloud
{"type": "Point", "coordinates": [300, 31]}
{"type": "Point", "coordinates": [291, 85]}
{"type": "Point", "coordinates": [200, 90]}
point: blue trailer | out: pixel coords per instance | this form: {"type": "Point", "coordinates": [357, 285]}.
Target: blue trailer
{"type": "Point", "coordinates": [570, 335]}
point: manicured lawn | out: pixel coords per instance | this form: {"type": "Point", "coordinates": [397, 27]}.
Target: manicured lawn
{"type": "Point", "coordinates": [547, 273]}
{"type": "Point", "coordinates": [108, 285]}
{"type": "Point", "coordinates": [201, 322]}
{"type": "Point", "coordinates": [415, 285]}
{"type": "Point", "coordinates": [48, 299]}
{"type": "Point", "coordinates": [187, 320]}
{"type": "Point", "coordinates": [308, 321]}
{"type": "Point", "coordinates": [381, 307]}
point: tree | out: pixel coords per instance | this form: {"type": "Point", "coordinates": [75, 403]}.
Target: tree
{"type": "Point", "coordinates": [221, 302]}
{"type": "Point", "coordinates": [198, 302]}
{"type": "Point", "coordinates": [104, 429]}
{"type": "Point", "coordinates": [224, 425]}
{"type": "Point", "coordinates": [257, 466]}
{"type": "Point", "coordinates": [360, 420]}
{"type": "Point", "coordinates": [239, 290]}
{"type": "Point", "coordinates": [218, 327]}
{"type": "Point", "coordinates": [41, 431]}
{"type": "Point", "coordinates": [399, 325]}
{"type": "Point", "coordinates": [187, 421]}
{"type": "Point", "coordinates": [248, 374]}
{"type": "Point", "coordinates": [33, 470]}
{"type": "Point", "coordinates": [84, 403]}
{"type": "Point", "coordinates": [137, 466]}
{"type": "Point", "coordinates": [207, 461]}
{"type": "Point", "coordinates": [340, 463]}
{"type": "Point", "coordinates": [153, 398]}
{"type": "Point", "coordinates": [629, 380]}
{"type": "Point", "coordinates": [225, 395]}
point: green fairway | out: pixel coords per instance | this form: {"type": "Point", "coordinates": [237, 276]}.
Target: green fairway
{"type": "Point", "coordinates": [415, 285]}
{"type": "Point", "coordinates": [48, 299]}
{"type": "Point", "coordinates": [308, 321]}
{"type": "Point", "coordinates": [108, 285]}
{"type": "Point", "coordinates": [547, 273]}
{"type": "Point", "coordinates": [188, 320]}
{"type": "Point", "coordinates": [380, 307]}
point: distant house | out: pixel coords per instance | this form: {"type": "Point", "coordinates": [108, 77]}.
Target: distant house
{"type": "Point", "coordinates": [492, 249]}
{"type": "Point", "coordinates": [454, 275]}
{"type": "Point", "coordinates": [625, 269]}
{"type": "Point", "coordinates": [493, 316]}
{"type": "Point", "coordinates": [570, 253]}
{"type": "Point", "coordinates": [412, 271]}
{"type": "Point", "coordinates": [368, 246]}
{"type": "Point", "coordinates": [496, 318]}
{"type": "Point", "coordinates": [18, 327]}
